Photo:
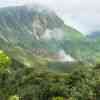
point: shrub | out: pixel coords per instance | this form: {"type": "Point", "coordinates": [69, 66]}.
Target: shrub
{"type": "Point", "coordinates": [58, 98]}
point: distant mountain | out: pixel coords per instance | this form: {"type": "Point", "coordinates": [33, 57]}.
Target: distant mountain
{"type": "Point", "coordinates": [94, 35]}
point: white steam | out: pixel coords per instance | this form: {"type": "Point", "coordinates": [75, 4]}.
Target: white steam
{"type": "Point", "coordinates": [63, 57]}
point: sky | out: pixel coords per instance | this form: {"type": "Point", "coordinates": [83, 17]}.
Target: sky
{"type": "Point", "coordinates": [84, 15]}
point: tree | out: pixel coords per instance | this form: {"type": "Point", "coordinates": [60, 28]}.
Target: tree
{"type": "Point", "coordinates": [5, 61]}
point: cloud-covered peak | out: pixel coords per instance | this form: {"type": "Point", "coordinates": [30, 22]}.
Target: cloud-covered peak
{"type": "Point", "coordinates": [81, 14]}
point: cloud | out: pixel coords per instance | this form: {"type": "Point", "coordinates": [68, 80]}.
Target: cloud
{"type": "Point", "coordinates": [81, 14]}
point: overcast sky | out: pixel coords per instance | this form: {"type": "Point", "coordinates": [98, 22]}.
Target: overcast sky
{"type": "Point", "coordinates": [81, 14]}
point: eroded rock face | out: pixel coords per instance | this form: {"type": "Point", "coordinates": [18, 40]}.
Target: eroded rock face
{"type": "Point", "coordinates": [39, 27]}
{"type": "Point", "coordinates": [42, 30]}
{"type": "Point", "coordinates": [60, 56]}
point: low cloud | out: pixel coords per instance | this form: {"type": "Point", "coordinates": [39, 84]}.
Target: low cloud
{"type": "Point", "coordinates": [81, 14]}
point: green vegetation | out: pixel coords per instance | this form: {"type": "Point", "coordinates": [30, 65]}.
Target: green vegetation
{"type": "Point", "coordinates": [19, 82]}
{"type": "Point", "coordinates": [5, 61]}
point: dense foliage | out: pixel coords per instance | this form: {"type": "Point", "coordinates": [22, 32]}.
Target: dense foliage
{"type": "Point", "coordinates": [19, 82]}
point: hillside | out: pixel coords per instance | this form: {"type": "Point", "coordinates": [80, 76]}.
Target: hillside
{"type": "Point", "coordinates": [34, 31]}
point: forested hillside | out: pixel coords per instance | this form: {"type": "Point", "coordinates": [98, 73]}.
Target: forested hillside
{"type": "Point", "coordinates": [19, 82]}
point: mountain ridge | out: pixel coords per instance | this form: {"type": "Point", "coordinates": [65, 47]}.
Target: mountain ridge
{"type": "Point", "coordinates": [27, 31]}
